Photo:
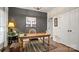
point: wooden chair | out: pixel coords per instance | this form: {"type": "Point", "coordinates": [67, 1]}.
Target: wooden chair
{"type": "Point", "coordinates": [32, 31]}
{"type": "Point", "coordinates": [15, 47]}
{"type": "Point", "coordinates": [26, 41]}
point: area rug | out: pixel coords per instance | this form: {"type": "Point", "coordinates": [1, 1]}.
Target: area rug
{"type": "Point", "coordinates": [38, 46]}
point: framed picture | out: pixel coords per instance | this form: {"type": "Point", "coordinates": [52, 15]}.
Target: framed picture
{"type": "Point", "coordinates": [30, 21]}
{"type": "Point", "coordinates": [55, 22]}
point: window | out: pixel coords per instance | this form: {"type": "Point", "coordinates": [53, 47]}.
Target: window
{"type": "Point", "coordinates": [1, 34]}
{"type": "Point", "coordinates": [2, 25]}
{"type": "Point", "coordinates": [1, 28]}
{"type": "Point", "coordinates": [30, 22]}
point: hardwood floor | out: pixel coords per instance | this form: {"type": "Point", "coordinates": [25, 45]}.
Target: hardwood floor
{"type": "Point", "coordinates": [55, 47]}
{"type": "Point", "coordinates": [62, 48]}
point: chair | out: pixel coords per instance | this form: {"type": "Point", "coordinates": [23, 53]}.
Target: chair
{"type": "Point", "coordinates": [26, 41]}
{"type": "Point", "coordinates": [15, 47]}
{"type": "Point", "coordinates": [32, 31]}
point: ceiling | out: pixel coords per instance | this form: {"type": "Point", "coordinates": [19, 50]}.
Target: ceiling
{"type": "Point", "coordinates": [43, 9]}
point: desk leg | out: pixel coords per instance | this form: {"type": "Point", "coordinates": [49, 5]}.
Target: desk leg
{"type": "Point", "coordinates": [21, 44]}
{"type": "Point", "coordinates": [43, 40]}
{"type": "Point", "coordinates": [48, 43]}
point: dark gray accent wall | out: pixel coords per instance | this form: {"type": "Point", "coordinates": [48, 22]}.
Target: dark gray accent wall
{"type": "Point", "coordinates": [19, 15]}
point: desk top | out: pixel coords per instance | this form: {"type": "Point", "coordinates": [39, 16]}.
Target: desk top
{"type": "Point", "coordinates": [35, 35]}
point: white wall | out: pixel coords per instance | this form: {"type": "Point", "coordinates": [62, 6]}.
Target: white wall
{"type": "Point", "coordinates": [56, 11]}
{"type": "Point", "coordinates": [68, 19]}
{"type": "Point", "coordinates": [3, 26]}
{"type": "Point", "coordinates": [49, 25]}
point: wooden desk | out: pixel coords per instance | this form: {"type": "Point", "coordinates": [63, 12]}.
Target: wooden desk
{"type": "Point", "coordinates": [34, 35]}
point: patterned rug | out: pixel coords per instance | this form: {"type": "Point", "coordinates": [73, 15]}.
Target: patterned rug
{"type": "Point", "coordinates": [38, 46]}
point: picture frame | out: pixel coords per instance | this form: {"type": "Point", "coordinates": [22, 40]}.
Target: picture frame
{"type": "Point", "coordinates": [55, 22]}
{"type": "Point", "coordinates": [30, 21]}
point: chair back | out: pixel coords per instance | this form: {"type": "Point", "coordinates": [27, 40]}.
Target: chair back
{"type": "Point", "coordinates": [32, 30]}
